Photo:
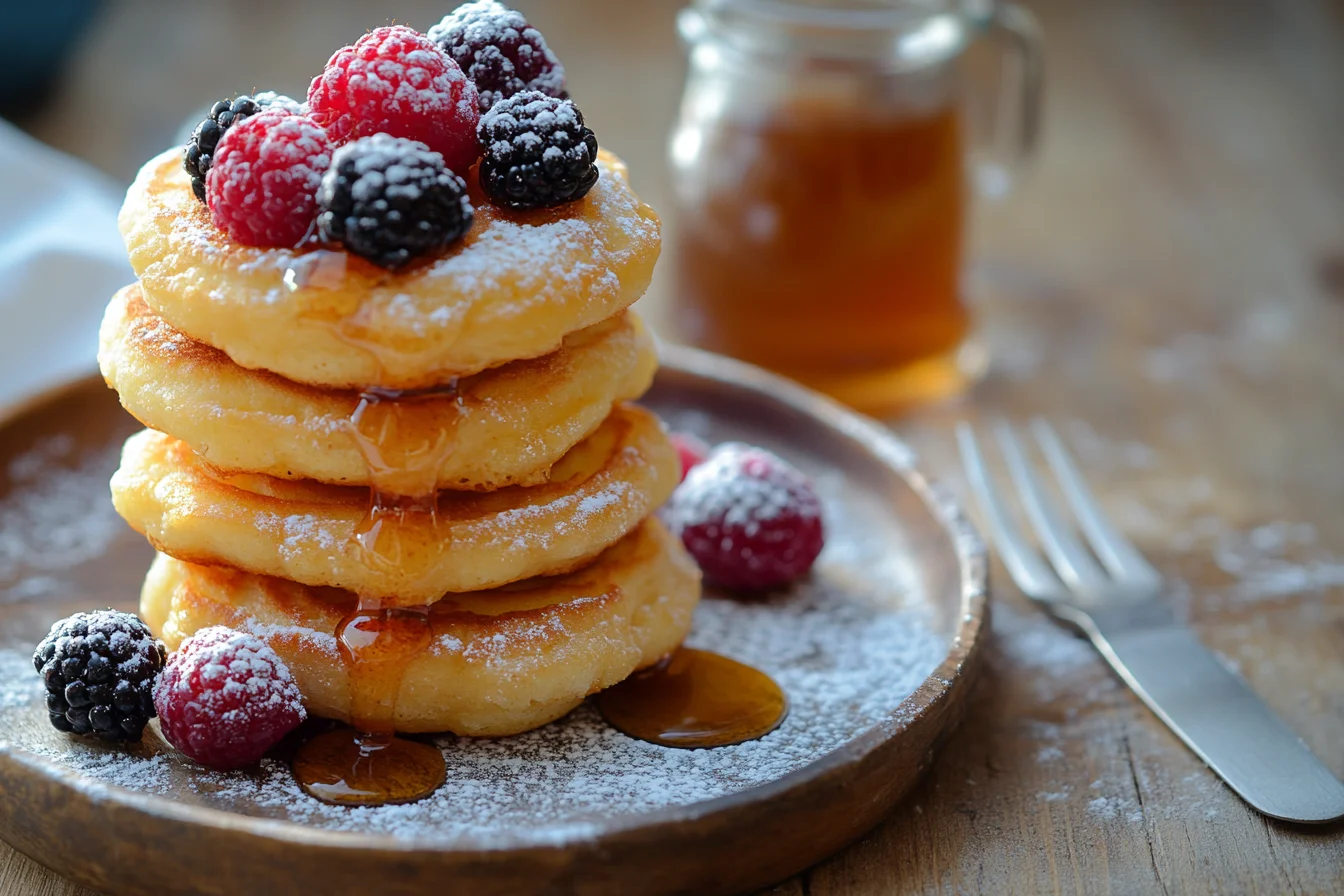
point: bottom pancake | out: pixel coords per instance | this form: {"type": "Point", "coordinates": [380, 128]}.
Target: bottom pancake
{"type": "Point", "coordinates": [500, 662]}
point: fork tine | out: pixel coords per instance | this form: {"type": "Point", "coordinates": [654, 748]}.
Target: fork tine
{"type": "Point", "coordinates": [1114, 550]}
{"type": "Point", "coordinates": [1022, 561]}
{"type": "Point", "coordinates": [1071, 560]}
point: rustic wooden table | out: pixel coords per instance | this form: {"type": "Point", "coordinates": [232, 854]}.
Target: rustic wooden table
{"type": "Point", "coordinates": [1167, 284]}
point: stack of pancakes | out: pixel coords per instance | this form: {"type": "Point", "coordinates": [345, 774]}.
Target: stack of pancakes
{"type": "Point", "coordinates": [329, 439]}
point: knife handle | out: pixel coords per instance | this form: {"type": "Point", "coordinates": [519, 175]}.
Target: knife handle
{"type": "Point", "coordinates": [1218, 716]}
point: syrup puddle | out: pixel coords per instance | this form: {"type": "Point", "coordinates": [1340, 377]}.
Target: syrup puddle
{"type": "Point", "coordinates": [368, 765]}
{"type": "Point", "coordinates": [347, 768]}
{"type": "Point", "coordinates": [695, 699]}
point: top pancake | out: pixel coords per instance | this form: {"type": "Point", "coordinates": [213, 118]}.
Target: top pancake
{"type": "Point", "coordinates": [513, 288]}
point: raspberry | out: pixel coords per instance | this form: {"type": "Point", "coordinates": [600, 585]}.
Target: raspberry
{"type": "Point", "coordinates": [262, 184]}
{"type": "Point", "coordinates": [499, 51]}
{"type": "Point", "coordinates": [396, 81]}
{"type": "Point", "coordinates": [99, 671]}
{"type": "Point", "coordinates": [538, 152]}
{"type": "Point", "coordinates": [200, 149]}
{"type": "Point", "coordinates": [226, 698]}
{"type": "Point", "coordinates": [692, 451]}
{"type": "Point", "coordinates": [749, 519]}
{"type": "Point", "coordinates": [390, 199]}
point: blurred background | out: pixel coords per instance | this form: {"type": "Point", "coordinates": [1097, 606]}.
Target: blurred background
{"type": "Point", "coordinates": [1145, 96]}
{"type": "Point", "coordinates": [1179, 233]}
{"type": "Point", "coordinates": [1186, 204]}
{"type": "Point", "coordinates": [1225, 105]}
{"type": "Point", "coordinates": [1166, 278]}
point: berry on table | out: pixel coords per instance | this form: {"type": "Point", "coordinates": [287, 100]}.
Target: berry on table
{"type": "Point", "coordinates": [200, 149]}
{"type": "Point", "coordinates": [691, 450]}
{"type": "Point", "coordinates": [99, 671]}
{"type": "Point", "coordinates": [262, 184]}
{"type": "Point", "coordinates": [748, 517]}
{"type": "Point", "coordinates": [499, 51]}
{"type": "Point", "coordinates": [538, 152]}
{"type": "Point", "coordinates": [225, 698]}
{"type": "Point", "coordinates": [396, 81]}
{"type": "Point", "coordinates": [390, 199]}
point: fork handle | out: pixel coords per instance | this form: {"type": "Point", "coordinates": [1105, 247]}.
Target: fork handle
{"type": "Point", "coordinates": [1218, 716]}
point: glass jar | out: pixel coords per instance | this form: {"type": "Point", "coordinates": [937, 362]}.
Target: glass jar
{"type": "Point", "coordinates": [819, 166]}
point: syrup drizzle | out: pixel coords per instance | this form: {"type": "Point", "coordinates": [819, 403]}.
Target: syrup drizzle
{"type": "Point", "coordinates": [368, 764]}
{"type": "Point", "coordinates": [691, 699]}
{"type": "Point", "coordinates": [347, 317]}
{"type": "Point", "coordinates": [321, 269]}
{"type": "Point", "coordinates": [403, 453]}
{"type": "Point", "coordinates": [695, 699]}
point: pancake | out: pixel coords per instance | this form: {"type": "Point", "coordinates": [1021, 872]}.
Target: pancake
{"type": "Point", "coordinates": [308, 532]}
{"type": "Point", "coordinates": [513, 288]}
{"type": "Point", "coordinates": [502, 427]}
{"type": "Point", "coordinates": [500, 662]}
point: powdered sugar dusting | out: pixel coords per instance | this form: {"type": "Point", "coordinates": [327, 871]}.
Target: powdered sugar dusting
{"type": "Point", "coordinates": [232, 663]}
{"type": "Point", "coordinates": [226, 697]}
{"type": "Point", "coordinates": [748, 517]}
{"type": "Point", "coordinates": [740, 486]}
{"type": "Point", "coordinates": [499, 51]}
{"type": "Point", "coordinates": [843, 652]}
{"type": "Point", "coordinates": [589, 256]}
{"type": "Point", "coordinates": [19, 684]}
{"type": "Point", "coordinates": [397, 81]}
{"type": "Point", "coordinates": [55, 515]}
{"type": "Point", "coordinates": [537, 260]}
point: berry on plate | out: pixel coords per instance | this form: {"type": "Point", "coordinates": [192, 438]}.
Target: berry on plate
{"type": "Point", "coordinates": [499, 51]}
{"type": "Point", "coordinates": [748, 517]}
{"type": "Point", "coordinates": [396, 81]}
{"type": "Point", "coordinates": [262, 183]}
{"type": "Point", "coordinates": [390, 199]}
{"type": "Point", "coordinates": [200, 149]}
{"type": "Point", "coordinates": [225, 698]}
{"type": "Point", "coordinates": [691, 450]}
{"type": "Point", "coordinates": [99, 671]}
{"type": "Point", "coordinates": [538, 152]}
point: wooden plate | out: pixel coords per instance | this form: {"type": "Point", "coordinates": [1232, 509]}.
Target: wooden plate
{"type": "Point", "coordinates": [877, 653]}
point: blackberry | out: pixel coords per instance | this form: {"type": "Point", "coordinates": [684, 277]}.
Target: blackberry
{"type": "Point", "coordinates": [99, 670]}
{"type": "Point", "coordinates": [537, 151]}
{"type": "Point", "coordinates": [199, 152]}
{"type": "Point", "coordinates": [390, 199]}
{"type": "Point", "coordinates": [499, 51]}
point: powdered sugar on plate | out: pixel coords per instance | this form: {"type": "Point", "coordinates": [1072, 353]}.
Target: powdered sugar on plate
{"type": "Point", "coordinates": [845, 649]}
{"type": "Point", "coordinates": [55, 515]}
{"type": "Point", "coordinates": [19, 684]}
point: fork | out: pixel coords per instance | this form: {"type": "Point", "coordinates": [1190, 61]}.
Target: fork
{"type": "Point", "coordinates": [1115, 597]}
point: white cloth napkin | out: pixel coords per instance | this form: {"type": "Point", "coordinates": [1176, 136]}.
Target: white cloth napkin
{"type": "Point", "coordinates": [61, 258]}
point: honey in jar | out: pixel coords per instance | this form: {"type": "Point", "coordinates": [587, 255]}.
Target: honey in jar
{"type": "Point", "coordinates": [821, 194]}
